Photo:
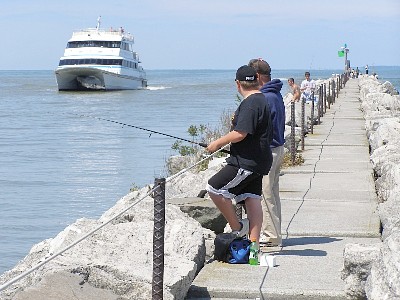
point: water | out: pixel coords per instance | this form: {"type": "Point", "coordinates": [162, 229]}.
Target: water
{"type": "Point", "coordinates": [56, 166]}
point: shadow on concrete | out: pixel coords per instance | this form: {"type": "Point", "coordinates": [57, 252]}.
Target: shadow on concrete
{"type": "Point", "coordinates": [303, 252]}
{"type": "Point", "coordinates": [198, 292]}
{"type": "Point", "coordinates": [309, 240]}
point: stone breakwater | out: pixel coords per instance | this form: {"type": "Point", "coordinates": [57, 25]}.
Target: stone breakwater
{"type": "Point", "coordinates": [374, 271]}
{"type": "Point", "coordinates": [116, 261]}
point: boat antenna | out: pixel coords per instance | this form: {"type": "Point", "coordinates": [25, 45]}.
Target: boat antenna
{"type": "Point", "coordinates": [151, 131]}
{"type": "Point", "coordinates": [98, 23]}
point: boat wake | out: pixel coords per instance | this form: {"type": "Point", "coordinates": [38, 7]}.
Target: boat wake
{"type": "Point", "coordinates": [156, 88]}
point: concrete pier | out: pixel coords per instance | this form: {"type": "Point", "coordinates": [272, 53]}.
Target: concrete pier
{"type": "Point", "coordinates": [327, 202]}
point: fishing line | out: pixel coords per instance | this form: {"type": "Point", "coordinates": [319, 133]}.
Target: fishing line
{"type": "Point", "coordinates": [151, 131]}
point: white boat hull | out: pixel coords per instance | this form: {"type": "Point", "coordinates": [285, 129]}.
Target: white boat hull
{"type": "Point", "coordinates": [81, 78]}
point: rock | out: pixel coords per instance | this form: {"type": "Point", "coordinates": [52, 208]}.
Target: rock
{"type": "Point", "coordinates": [381, 109]}
{"type": "Point", "coordinates": [384, 155]}
{"type": "Point", "coordinates": [389, 180]}
{"type": "Point", "coordinates": [389, 211]}
{"type": "Point", "coordinates": [385, 132]}
{"type": "Point", "coordinates": [117, 259]}
{"type": "Point", "coordinates": [384, 281]}
{"type": "Point", "coordinates": [381, 102]}
{"type": "Point", "coordinates": [202, 210]}
{"type": "Point", "coordinates": [357, 265]}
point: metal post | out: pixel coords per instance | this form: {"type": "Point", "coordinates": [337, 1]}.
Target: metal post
{"type": "Point", "coordinates": [312, 112]}
{"type": "Point", "coordinates": [239, 211]}
{"type": "Point", "coordinates": [324, 98]}
{"type": "Point", "coordinates": [337, 87]}
{"type": "Point", "coordinates": [158, 239]}
{"type": "Point", "coordinates": [292, 133]}
{"type": "Point", "coordinates": [303, 116]}
{"type": "Point", "coordinates": [329, 95]}
{"type": "Point", "coordinates": [319, 104]}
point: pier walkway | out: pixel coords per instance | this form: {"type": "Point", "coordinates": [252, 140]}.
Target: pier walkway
{"type": "Point", "coordinates": [327, 202]}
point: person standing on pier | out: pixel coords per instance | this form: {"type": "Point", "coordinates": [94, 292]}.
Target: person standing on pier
{"type": "Point", "coordinates": [307, 87]}
{"type": "Point", "coordinates": [295, 90]}
{"type": "Point", "coordinates": [271, 230]}
{"type": "Point", "coordinates": [240, 180]}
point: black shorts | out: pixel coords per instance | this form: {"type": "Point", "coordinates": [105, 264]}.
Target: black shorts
{"type": "Point", "coordinates": [235, 183]}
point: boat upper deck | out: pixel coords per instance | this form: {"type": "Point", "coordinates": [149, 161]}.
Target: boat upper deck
{"type": "Point", "coordinates": [102, 35]}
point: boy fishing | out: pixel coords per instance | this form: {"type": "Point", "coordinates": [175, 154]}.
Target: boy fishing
{"type": "Point", "coordinates": [240, 181]}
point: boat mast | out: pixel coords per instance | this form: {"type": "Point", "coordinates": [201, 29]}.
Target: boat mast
{"type": "Point", "coordinates": [98, 23]}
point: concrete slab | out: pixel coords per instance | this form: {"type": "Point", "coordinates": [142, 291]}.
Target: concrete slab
{"type": "Point", "coordinates": [330, 218]}
{"type": "Point", "coordinates": [334, 165]}
{"type": "Point", "coordinates": [345, 153]}
{"type": "Point", "coordinates": [307, 268]}
{"type": "Point", "coordinates": [327, 181]}
{"type": "Point", "coordinates": [336, 195]}
{"type": "Point", "coordinates": [345, 140]}
{"type": "Point", "coordinates": [360, 181]}
{"type": "Point", "coordinates": [303, 182]}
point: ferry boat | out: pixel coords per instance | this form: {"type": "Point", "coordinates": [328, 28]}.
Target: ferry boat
{"type": "Point", "coordinates": [97, 59]}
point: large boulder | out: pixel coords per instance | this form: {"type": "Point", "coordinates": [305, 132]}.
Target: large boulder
{"type": "Point", "coordinates": [380, 102]}
{"type": "Point", "coordinates": [115, 262]}
{"type": "Point", "coordinates": [358, 260]}
{"type": "Point", "coordinates": [384, 279]}
{"type": "Point", "coordinates": [383, 130]}
{"type": "Point", "coordinates": [388, 132]}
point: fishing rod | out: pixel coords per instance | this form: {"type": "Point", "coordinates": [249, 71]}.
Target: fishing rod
{"type": "Point", "coordinates": [151, 131]}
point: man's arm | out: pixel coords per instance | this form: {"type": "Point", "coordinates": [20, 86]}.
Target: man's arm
{"type": "Point", "coordinates": [303, 87]}
{"type": "Point", "coordinates": [232, 137]}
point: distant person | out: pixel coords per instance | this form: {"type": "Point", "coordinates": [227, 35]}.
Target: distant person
{"type": "Point", "coordinates": [357, 72]}
{"type": "Point", "coordinates": [366, 69]}
{"type": "Point", "coordinates": [307, 87]}
{"type": "Point", "coordinates": [295, 90]}
{"type": "Point", "coordinates": [271, 229]}
{"type": "Point", "coordinates": [241, 179]}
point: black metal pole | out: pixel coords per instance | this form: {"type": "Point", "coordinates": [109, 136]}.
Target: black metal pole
{"type": "Point", "coordinates": [312, 112]}
{"type": "Point", "coordinates": [319, 104]}
{"type": "Point", "coordinates": [324, 98]}
{"type": "Point", "coordinates": [329, 95]}
{"type": "Point", "coordinates": [303, 116]}
{"type": "Point", "coordinates": [292, 133]}
{"type": "Point", "coordinates": [158, 239]}
{"type": "Point", "coordinates": [239, 211]}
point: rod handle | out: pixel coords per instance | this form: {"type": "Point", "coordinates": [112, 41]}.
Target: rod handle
{"type": "Point", "coordinates": [223, 150]}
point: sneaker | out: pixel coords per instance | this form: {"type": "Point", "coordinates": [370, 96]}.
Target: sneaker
{"type": "Point", "coordinates": [264, 238]}
{"type": "Point", "coordinates": [267, 241]}
{"type": "Point", "coordinates": [244, 230]}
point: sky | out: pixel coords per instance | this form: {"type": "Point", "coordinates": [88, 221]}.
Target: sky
{"type": "Point", "coordinates": [209, 34]}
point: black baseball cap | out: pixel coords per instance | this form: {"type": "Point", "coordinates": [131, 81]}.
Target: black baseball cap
{"type": "Point", "coordinates": [246, 73]}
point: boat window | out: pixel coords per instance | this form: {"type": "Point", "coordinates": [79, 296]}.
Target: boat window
{"type": "Point", "coordinates": [130, 64]}
{"type": "Point", "coordinates": [125, 46]}
{"type": "Point", "coordinates": [90, 61]}
{"type": "Point", "coordinates": [103, 44]}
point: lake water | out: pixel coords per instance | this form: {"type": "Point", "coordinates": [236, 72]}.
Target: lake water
{"type": "Point", "coordinates": [57, 166]}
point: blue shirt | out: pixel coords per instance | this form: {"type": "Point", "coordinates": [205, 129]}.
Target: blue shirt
{"type": "Point", "coordinates": [272, 92]}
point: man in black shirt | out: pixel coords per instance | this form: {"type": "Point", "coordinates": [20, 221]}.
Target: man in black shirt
{"type": "Point", "coordinates": [250, 159]}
